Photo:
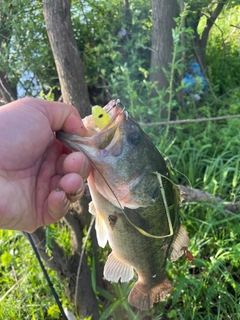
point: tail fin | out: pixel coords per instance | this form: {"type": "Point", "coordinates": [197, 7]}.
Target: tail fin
{"type": "Point", "coordinates": [143, 297]}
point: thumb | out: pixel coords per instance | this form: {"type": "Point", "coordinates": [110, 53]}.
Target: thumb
{"type": "Point", "coordinates": [61, 116]}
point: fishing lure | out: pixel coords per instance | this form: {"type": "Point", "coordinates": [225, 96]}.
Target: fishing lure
{"type": "Point", "coordinates": [100, 117]}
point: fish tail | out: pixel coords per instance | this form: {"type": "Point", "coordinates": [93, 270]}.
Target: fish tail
{"type": "Point", "coordinates": [143, 297]}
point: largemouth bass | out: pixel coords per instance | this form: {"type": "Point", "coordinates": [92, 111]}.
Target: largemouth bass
{"type": "Point", "coordinates": [135, 203]}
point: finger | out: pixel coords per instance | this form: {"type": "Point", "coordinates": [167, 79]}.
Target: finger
{"type": "Point", "coordinates": [54, 183]}
{"type": "Point", "coordinates": [57, 206]}
{"type": "Point", "coordinates": [71, 188]}
{"type": "Point", "coordinates": [77, 162]}
{"type": "Point", "coordinates": [73, 185]}
{"type": "Point", "coordinates": [59, 164]}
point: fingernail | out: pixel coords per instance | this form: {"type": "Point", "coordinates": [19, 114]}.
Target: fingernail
{"type": "Point", "coordinates": [78, 193]}
{"type": "Point", "coordinates": [64, 201]}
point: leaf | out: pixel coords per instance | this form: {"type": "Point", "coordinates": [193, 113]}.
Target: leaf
{"type": "Point", "coordinates": [6, 259]}
{"type": "Point", "coordinates": [53, 311]}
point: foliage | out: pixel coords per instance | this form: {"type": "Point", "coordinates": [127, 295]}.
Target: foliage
{"type": "Point", "coordinates": [26, 56]}
{"type": "Point", "coordinates": [24, 293]}
{"type": "Point", "coordinates": [204, 155]}
{"type": "Point", "coordinates": [223, 52]}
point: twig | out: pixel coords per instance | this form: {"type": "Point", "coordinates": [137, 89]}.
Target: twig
{"type": "Point", "coordinates": [238, 27]}
{"type": "Point", "coordinates": [1, 35]}
{"type": "Point", "coordinates": [195, 195]}
{"type": "Point", "coordinates": [13, 287]}
{"type": "Point", "coordinates": [186, 121]}
{"type": "Point", "coordinates": [223, 95]}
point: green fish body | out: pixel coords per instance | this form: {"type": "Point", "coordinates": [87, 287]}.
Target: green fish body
{"type": "Point", "coordinates": [135, 204]}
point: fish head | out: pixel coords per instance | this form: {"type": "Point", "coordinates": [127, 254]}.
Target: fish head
{"type": "Point", "coordinates": [124, 159]}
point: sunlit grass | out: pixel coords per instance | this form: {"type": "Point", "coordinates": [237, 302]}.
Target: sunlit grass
{"type": "Point", "coordinates": [24, 293]}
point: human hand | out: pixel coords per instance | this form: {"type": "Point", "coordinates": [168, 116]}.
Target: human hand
{"type": "Point", "coordinates": [38, 177]}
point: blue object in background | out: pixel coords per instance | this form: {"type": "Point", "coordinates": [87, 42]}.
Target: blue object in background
{"type": "Point", "coordinates": [195, 83]}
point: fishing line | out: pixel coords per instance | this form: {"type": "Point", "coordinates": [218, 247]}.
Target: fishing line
{"type": "Point", "coordinates": [54, 293]}
{"type": "Point", "coordinates": [176, 170]}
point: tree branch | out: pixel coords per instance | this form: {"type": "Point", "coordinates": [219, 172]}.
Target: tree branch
{"type": "Point", "coordinates": [195, 195]}
{"type": "Point", "coordinates": [66, 56]}
{"type": "Point", "coordinates": [210, 21]}
{"type": "Point", "coordinates": [186, 121]}
{"type": "Point", "coordinates": [7, 93]}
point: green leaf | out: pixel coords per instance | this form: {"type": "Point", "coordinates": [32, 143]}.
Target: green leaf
{"type": "Point", "coordinates": [6, 259]}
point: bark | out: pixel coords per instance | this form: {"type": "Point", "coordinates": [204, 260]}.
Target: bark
{"type": "Point", "coordinates": [200, 42]}
{"type": "Point", "coordinates": [195, 195]}
{"type": "Point", "coordinates": [7, 92]}
{"type": "Point", "coordinates": [66, 55]}
{"type": "Point", "coordinates": [163, 12]}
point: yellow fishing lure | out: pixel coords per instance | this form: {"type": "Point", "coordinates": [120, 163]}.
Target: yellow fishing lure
{"type": "Point", "coordinates": [100, 117]}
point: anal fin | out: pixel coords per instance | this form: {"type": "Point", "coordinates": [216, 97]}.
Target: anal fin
{"type": "Point", "coordinates": [180, 244]}
{"type": "Point", "coordinates": [143, 297]}
{"type": "Point", "coordinates": [116, 269]}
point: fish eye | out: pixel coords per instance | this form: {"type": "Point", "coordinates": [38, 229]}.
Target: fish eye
{"type": "Point", "coordinates": [134, 138]}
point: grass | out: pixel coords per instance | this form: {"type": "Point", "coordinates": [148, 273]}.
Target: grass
{"type": "Point", "coordinates": [207, 290]}
{"type": "Point", "coordinates": [24, 293]}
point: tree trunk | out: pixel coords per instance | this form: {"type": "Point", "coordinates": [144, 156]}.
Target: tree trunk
{"type": "Point", "coordinates": [163, 12]}
{"type": "Point", "coordinates": [200, 41]}
{"type": "Point", "coordinates": [7, 93]}
{"type": "Point", "coordinates": [66, 55]}
{"type": "Point", "coordinates": [74, 91]}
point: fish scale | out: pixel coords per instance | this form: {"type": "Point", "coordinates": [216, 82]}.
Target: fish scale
{"type": "Point", "coordinates": [135, 203]}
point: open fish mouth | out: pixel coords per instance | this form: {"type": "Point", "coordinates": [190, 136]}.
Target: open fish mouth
{"type": "Point", "coordinates": [97, 139]}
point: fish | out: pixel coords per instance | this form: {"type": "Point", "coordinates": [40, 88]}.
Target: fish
{"type": "Point", "coordinates": [135, 204]}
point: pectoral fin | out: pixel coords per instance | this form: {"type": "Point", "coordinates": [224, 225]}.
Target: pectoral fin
{"type": "Point", "coordinates": [115, 269]}
{"type": "Point", "coordinates": [101, 231]}
{"type": "Point", "coordinates": [92, 209]}
{"type": "Point", "coordinates": [180, 244]}
{"type": "Point", "coordinates": [100, 226]}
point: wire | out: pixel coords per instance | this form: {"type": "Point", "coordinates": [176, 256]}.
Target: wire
{"type": "Point", "coordinates": [30, 238]}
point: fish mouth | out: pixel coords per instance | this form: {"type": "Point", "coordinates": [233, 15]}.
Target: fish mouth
{"type": "Point", "coordinates": [104, 137]}
{"type": "Point", "coordinates": [98, 139]}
